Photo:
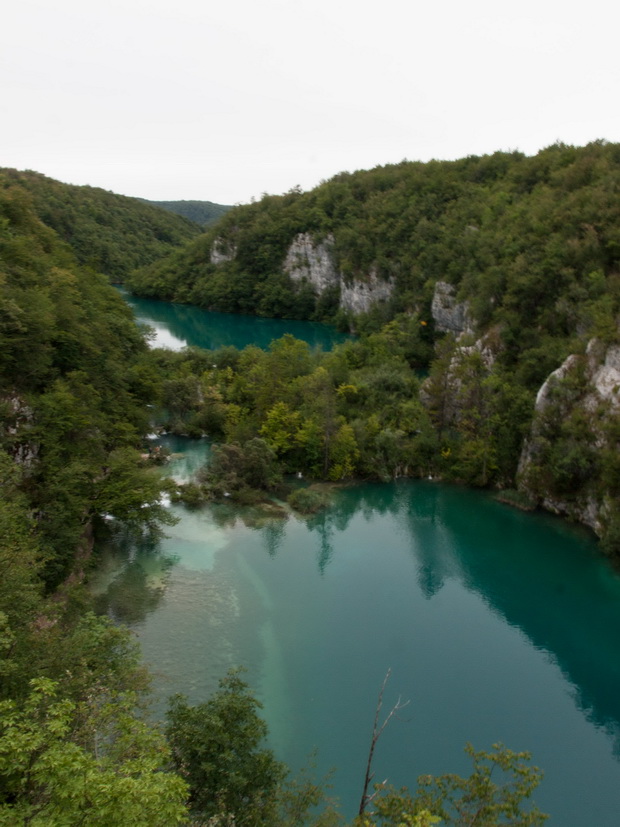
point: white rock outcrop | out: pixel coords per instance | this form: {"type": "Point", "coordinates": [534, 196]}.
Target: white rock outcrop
{"type": "Point", "coordinates": [222, 251]}
{"type": "Point", "coordinates": [359, 296]}
{"type": "Point", "coordinates": [604, 370]}
{"type": "Point", "coordinates": [463, 367]}
{"type": "Point", "coordinates": [313, 261]}
{"type": "Point", "coordinates": [449, 315]}
{"type": "Point", "coordinates": [546, 389]}
{"type": "Point", "coordinates": [18, 422]}
{"type": "Point", "coordinates": [599, 400]}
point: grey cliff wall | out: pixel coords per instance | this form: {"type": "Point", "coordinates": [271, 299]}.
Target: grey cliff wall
{"type": "Point", "coordinates": [314, 261]}
{"type": "Point", "coordinates": [222, 251]}
{"type": "Point", "coordinates": [19, 422]}
{"type": "Point", "coordinates": [449, 315]}
{"type": "Point", "coordinates": [598, 401]}
{"type": "Point", "coordinates": [359, 296]}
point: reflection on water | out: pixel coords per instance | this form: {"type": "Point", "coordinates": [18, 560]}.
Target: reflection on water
{"type": "Point", "coordinates": [274, 532]}
{"type": "Point", "coordinates": [131, 576]}
{"type": "Point", "coordinates": [498, 625]}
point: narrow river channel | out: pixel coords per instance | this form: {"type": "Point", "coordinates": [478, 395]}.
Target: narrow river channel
{"type": "Point", "coordinates": [496, 625]}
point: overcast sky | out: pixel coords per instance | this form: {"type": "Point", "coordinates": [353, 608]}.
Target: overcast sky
{"type": "Point", "coordinates": [222, 101]}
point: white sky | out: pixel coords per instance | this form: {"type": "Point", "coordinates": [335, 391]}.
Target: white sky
{"type": "Point", "coordinates": [222, 101]}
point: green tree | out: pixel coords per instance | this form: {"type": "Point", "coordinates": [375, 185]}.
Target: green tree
{"type": "Point", "coordinates": [343, 453]}
{"type": "Point", "coordinates": [217, 748]}
{"type": "Point", "coordinates": [280, 428]}
{"type": "Point", "coordinates": [496, 793]}
{"type": "Point", "coordinates": [235, 468]}
{"type": "Point", "coordinates": [112, 774]}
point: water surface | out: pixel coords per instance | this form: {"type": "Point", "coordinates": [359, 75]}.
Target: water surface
{"type": "Point", "coordinates": [176, 326]}
{"type": "Point", "coordinates": [497, 626]}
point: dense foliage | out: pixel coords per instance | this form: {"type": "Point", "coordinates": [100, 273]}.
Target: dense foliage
{"type": "Point", "coordinates": [354, 412]}
{"type": "Point", "coordinates": [74, 380]}
{"type": "Point", "coordinates": [493, 794]}
{"type": "Point", "coordinates": [200, 212]}
{"type": "Point", "coordinates": [110, 233]}
{"type": "Point", "coordinates": [218, 748]}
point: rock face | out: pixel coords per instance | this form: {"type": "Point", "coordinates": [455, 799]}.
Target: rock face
{"type": "Point", "coordinates": [449, 315]}
{"type": "Point", "coordinates": [604, 370]}
{"type": "Point", "coordinates": [222, 251]}
{"type": "Point", "coordinates": [359, 296]}
{"type": "Point", "coordinates": [596, 397]}
{"type": "Point", "coordinates": [19, 421]}
{"type": "Point", "coordinates": [468, 365]}
{"type": "Point", "coordinates": [314, 262]}
{"type": "Point", "coordinates": [545, 391]}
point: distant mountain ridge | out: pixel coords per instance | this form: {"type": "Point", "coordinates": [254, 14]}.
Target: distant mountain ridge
{"type": "Point", "coordinates": [110, 233]}
{"type": "Point", "coordinates": [200, 212]}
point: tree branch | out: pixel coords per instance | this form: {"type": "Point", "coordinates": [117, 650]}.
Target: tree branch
{"type": "Point", "coordinates": [377, 730]}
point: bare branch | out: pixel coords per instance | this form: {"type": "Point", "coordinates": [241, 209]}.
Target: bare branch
{"type": "Point", "coordinates": [376, 734]}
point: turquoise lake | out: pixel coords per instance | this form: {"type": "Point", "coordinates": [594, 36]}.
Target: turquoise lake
{"type": "Point", "coordinates": [176, 326]}
{"type": "Point", "coordinates": [496, 625]}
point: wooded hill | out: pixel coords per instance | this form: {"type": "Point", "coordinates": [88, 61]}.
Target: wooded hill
{"type": "Point", "coordinates": [110, 233]}
{"type": "Point", "coordinates": [202, 213]}
{"type": "Point", "coordinates": [520, 237]}
{"type": "Point", "coordinates": [74, 383]}
{"type": "Point", "coordinates": [493, 271]}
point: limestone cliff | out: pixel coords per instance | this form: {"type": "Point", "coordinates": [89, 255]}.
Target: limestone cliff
{"type": "Point", "coordinates": [449, 315]}
{"type": "Point", "coordinates": [222, 251]}
{"type": "Point", "coordinates": [359, 296]}
{"type": "Point", "coordinates": [313, 261]}
{"type": "Point", "coordinates": [466, 366]}
{"type": "Point", "coordinates": [15, 431]}
{"type": "Point", "coordinates": [569, 458]}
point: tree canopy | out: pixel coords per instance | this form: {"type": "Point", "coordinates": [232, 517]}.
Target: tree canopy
{"type": "Point", "coordinates": [110, 233]}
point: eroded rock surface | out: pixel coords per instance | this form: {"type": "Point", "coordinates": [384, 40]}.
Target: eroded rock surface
{"type": "Point", "coordinates": [449, 315]}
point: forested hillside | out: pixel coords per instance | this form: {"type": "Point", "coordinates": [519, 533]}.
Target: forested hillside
{"type": "Point", "coordinates": [520, 237]}
{"type": "Point", "coordinates": [499, 275]}
{"type": "Point", "coordinates": [200, 212]}
{"type": "Point", "coordinates": [74, 381]}
{"type": "Point", "coordinates": [111, 233]}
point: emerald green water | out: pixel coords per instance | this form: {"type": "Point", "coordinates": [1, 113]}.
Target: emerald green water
{"type": "Point", "coordinates": [497, 625]}
{"type": "Point", "coordinates": [177, 325]}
